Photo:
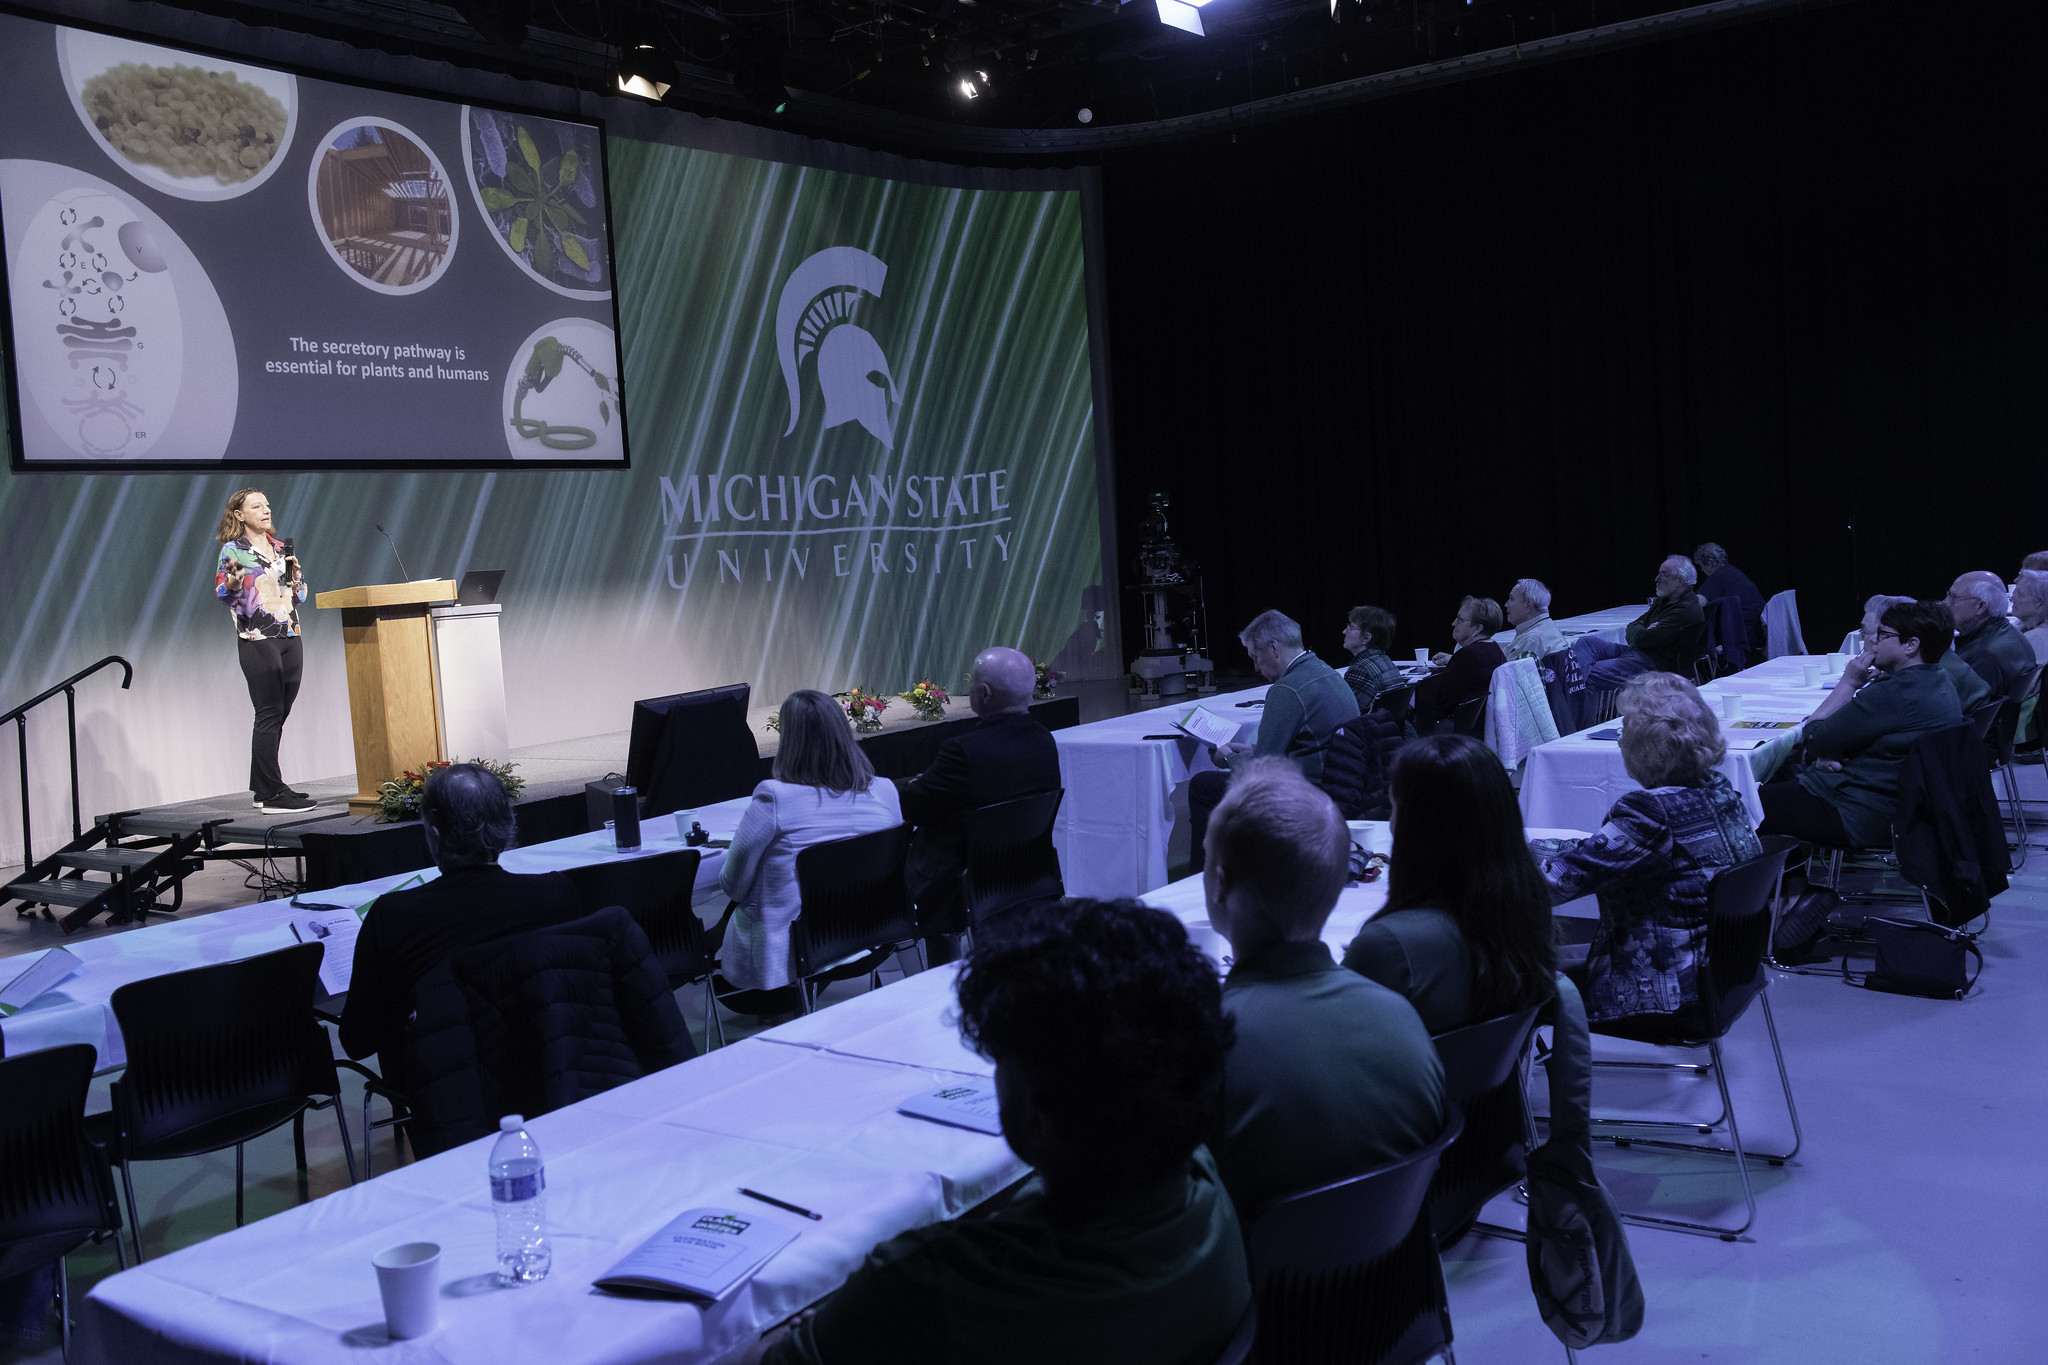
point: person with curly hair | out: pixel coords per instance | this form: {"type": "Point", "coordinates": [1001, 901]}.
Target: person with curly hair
{"type": "Point", "coordinates": [1107, 1032]}
{"type": "Point", "coordinates": [1371, 1089]}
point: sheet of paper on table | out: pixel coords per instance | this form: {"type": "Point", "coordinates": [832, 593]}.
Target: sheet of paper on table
{"type": "Point", "coordinates": [958, 1106]}
{"type": "Point", "coordinates": [1208, 727]}
{"type": "Point", "coordinates": [38, 976]}
{"type": "Point", "coordinates": [336, 932]}
{"type": "Point", "coordinates": [703, 1253]}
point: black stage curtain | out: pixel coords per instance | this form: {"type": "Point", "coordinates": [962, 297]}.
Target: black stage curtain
{"type": "Point", "coordinates": [1778, 285]}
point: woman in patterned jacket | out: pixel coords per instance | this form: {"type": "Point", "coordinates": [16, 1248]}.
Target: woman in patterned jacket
{"type": "Point", "coordinates": [1651, 862]}
{"type": "Point", "coordinates": [258, 577]}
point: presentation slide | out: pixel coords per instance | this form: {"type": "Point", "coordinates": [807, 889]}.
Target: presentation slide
{"type": "Point", "coordinates": [210, 263]}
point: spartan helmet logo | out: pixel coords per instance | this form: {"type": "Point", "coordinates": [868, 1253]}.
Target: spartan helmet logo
{"type": "Point", "coordinates": [814, 315]}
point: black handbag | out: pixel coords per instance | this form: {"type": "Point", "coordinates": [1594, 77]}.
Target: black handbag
{"type": "Point", "coordinates": [1915, 957]}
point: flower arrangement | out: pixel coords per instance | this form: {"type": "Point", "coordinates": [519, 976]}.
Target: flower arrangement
{"type": "Point", "coordinates": [864, 709]}
{"type": "Point", "coordinates": [400, 799]}
{"type": "Point", "coordinates": [928, 699]}
{"type": "Point", "coordinates": [1043, 680]}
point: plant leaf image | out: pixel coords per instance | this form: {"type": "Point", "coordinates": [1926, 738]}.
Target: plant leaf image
{"type": "Point", "coordinates": [538, 182]}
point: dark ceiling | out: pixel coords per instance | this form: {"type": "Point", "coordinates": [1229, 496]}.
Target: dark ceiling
{"type": "Point", "coordinates": [1058, 76]}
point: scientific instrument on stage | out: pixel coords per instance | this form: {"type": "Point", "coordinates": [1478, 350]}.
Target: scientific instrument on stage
{"type": "Point", "coordinates": [1176, 615]}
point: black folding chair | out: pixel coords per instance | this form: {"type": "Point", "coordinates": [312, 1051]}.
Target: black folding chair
{"type": "Point", "coordinates": [855, 909]}
{"type": "Point", "coordinates": [1349, 1272]}
{"type": "Point", "coordinates": [1470, 717]}
{"type": "Point", "coordinates": [1011, 861]}
{"type": "Point", "coordinates": [56, 1193]}
{"type": "Point", "coordinates": [219, 1055]}
{"type": "Point", "coordinates": [1730, 975]}
{"type": "Point", "coordinates": [2000, 741]}
{"type": "Point", "coordinates": [657, 891]}
{"type": "Point", "coordinates": [1483, 1078]}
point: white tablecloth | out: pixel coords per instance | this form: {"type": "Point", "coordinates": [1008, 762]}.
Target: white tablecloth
{"type": "Point", "coordinates": [80, 1009]}
{"type": "Point", "coordinates": [1576, 779]}
{"type": "Point", "coordinates": [792, 1113]}
{"type": "Point", "coordinates": [1117, 816]}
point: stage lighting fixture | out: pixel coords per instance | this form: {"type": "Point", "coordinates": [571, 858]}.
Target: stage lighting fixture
{"type": "Point", "coordinates": [970, 84]}
{"type": "Point", "coordinates": [1086, 115]}
{"type": "Point", "coordinates": [645, 71]}
{"type": "Point", "coordinates": [1185, 15]}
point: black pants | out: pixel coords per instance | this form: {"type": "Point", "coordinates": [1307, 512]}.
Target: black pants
{"type": "Point", "coordinates": [272, 668]}
{"type": "Point", "coordinates": [1205, 793]}
{"type": "Point", "coordinates": [1791, 809]}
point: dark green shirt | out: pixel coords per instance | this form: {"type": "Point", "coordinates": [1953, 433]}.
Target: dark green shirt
{"type": "Point", "coordinates": [1331, 1076]}
{"type": "Point", "coordinates": [1303, 709]}
{"type": "Point", "coordinates": [1668, 630]}
{"type": "Point", "coordinates": [1870, 737]}
{"type": "Point", "coordinates": [1158, 1277]}
{"type": "Point", "coordinates": [1420, 955]}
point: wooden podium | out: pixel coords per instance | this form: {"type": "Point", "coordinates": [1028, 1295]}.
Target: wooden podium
{"type": "Point", "coordinates": [388, 645]}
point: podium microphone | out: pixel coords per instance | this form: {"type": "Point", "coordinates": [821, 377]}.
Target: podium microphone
{"type": "Point", "coordinates": [394, 551]}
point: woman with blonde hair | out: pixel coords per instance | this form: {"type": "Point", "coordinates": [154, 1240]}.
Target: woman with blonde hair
{"type": "Point", "coordinates": [823, 789]}
{"type": "Point", "coordinates": [258, 577]}
{"type": "Point", "coordinates": [1653, 858]}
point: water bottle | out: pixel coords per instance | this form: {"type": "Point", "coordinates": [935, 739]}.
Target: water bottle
{"type": "Point", "coordinates": [519, 1196]}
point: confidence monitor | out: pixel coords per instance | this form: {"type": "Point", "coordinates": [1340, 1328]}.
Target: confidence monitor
{"type": "Point", "coordinates": [692, 749]}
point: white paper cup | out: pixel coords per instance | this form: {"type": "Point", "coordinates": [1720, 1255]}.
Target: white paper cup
{"type": "Point", "coordinates": [1835, 662]}
{"type": "Point", "coordinates": [1811, 672]}
{"type": "Point", "coordinates": [684, 819]}
{"type": "Point", "coordinates": [1422, 656]}
{"type": "Point", "coordinates": [1731, 705]}
{"type": "Point", "coordinates": [409, 1278]}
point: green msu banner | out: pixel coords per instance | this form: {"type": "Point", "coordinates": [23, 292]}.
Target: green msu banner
{"type": "Point", "coordinates": [874, 431]}
{"type": "Point", "coordinates": [862, 449]}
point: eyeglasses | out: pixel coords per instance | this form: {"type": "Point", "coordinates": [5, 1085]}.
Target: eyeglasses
{"type": "Point", "coordinates": [1883, 632]}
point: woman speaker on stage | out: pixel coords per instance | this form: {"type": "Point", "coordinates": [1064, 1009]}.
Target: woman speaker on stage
{"type": "Point", "coordinates": [259, 579]}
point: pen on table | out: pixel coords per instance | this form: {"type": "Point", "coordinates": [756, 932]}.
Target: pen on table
{"type": "Point", "coordinates": [781, 1204]}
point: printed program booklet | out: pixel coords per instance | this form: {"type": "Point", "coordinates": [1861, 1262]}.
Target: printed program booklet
{"type": "Point", "coordinates": [960, 1106]}
{"type": "Point", "coordinates": [45, 972]}
{"type": "Point", "coordinates": [335, 931]}
{"type": "Point", "coordinates": [704, 1254]}
{"type": "Point", "coordinates": [1208, 727]}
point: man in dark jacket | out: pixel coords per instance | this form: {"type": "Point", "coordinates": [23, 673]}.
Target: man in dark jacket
{"type": "Point", "coordinates": [1858, 738]}
{"type": "Point", "coordinates": [1986, 640]}
{"type": "Point", "coordinates": [1006, 756]}
{"type": "Point", "coordinates": [468, 822]}
{"type": "Point", "coordinates": [1723, 579]}
{"type": "Point", "coordinates": [1663, 639]}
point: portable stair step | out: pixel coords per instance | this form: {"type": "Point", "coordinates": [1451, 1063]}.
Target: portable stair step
{"type": "Point", "coordinates": [114, 860]}
{"type": "Point", "coordinates": [58, 891]}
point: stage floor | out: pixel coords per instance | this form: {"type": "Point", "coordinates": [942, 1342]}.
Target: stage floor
{"type": "Point", "coordinates": [558, 768]}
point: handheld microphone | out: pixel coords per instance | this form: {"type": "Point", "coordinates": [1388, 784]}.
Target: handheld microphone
{"type": "Point", "coordinates": [394, 551]}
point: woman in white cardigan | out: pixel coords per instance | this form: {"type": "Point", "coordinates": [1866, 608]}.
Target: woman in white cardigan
{"type": "Point", "coordinates": [824, 788]}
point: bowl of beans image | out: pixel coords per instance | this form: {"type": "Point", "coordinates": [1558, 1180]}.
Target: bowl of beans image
{"type": "Point", "coordinates": [192, 126]}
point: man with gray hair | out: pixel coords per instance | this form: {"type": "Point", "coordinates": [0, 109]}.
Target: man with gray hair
{"type": "Point", "coordinates": [1666, 638]}
{"type": "Point", "coordinates": [1986, 640]}
{"type": "Point", "coordinates": [468, 821]}
{"type": "Point", "coordinates": [1305, 705]}
{"type": "Point", "coordinates": [1332, 1074]}
{"type": "Point", "coordinates": [1007, 755]}
{"type": "Point", "coordinates": [1528, 611]}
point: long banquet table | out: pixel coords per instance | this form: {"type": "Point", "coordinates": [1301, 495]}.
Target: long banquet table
{"type": "Point", "coordinates": [1575, 779]}
{"type": "Point", "coordinates": [1117, 818]}
{"type": "Point", "coordinates": [805, 1111]}
{"type": "Point", "coordinates": [80, 1009]}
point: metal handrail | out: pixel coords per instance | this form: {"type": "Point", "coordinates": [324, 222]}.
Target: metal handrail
{"type": "Point", "coordinates": [19, 715]}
